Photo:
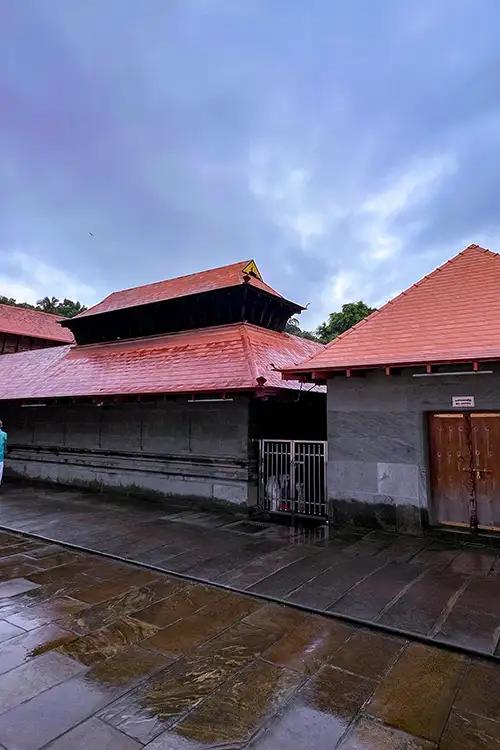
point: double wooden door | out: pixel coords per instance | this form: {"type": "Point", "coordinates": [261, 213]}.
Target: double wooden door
{"type": "Point", "coordinates": [465, 469]}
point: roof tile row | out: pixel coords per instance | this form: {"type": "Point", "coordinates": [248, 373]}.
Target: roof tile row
{"type": "Point", "coordinates": [221, 358]}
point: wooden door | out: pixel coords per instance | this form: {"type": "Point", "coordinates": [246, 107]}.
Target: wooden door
{"type": "Point", "coordinates": [465, 469]}
{"type": "Point", "coordinates": [485, 433]}
{"type": "Point", "coordinates": [450, 460]}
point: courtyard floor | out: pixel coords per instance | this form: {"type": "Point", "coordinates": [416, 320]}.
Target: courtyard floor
{"type": "Point", "coordinates": [444, 590]}
{"type": "Point", "coordinates": [103, 655]}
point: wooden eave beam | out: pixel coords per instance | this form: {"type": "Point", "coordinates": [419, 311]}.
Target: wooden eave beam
{"type": "Point", "coordinates": [300, 377]}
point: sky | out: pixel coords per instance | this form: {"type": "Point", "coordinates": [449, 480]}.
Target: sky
{"type": "Point", "coordinates": [348, 147]}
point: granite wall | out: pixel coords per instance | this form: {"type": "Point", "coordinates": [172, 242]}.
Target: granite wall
{"type": "Point", "coordinates": [377, 443]}
{"type": "Point", "coordinates": [195, 451]}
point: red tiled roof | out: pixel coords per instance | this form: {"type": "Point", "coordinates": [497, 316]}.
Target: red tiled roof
{"type": "Point", "coordinates": [230, 357]}
{"type": "Point", "coordinates": [451, 315]}
{"type": "Point", "coordinates": [20, 321]}
{"type": "Point", "coordinates": [195, 283]}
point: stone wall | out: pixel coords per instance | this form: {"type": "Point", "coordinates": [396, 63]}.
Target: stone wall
{"type": "Point", "coordinates": [377, 443]}
{"type": "Point", "coordinates": [196, 451]}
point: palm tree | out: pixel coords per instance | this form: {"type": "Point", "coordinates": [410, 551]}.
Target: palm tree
{"type": "Point", "coordinates": [48, 304]}
{"type": "Point", "coordinates": [293, 326]}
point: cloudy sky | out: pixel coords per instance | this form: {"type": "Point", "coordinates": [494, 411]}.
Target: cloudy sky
{"type": "Point", "coordinates": [349, 147]}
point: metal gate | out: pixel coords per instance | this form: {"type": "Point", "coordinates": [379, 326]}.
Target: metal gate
{"type": "Point", "coordinates": [292, 477]}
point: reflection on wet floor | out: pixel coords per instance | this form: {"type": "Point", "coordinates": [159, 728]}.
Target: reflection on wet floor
{"type": "Point", "coordinates": [445, 589]}
{"type": "Point", "coordinates": [95, 655]}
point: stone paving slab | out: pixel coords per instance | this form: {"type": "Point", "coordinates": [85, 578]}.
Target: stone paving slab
{"type": "Point", "coordinates": [444, 589]}
{"type": "Point", "coordinates": [220, 670]}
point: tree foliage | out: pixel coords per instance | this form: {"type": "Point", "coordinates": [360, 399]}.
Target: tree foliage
{"type": "Point", "coordinates": [66, 309]}
{"type": "Point", "coordinates": [294, 328]}
{"type": "Point", "coordinates": [340, 322]}
{"type": "Point", "coordinates": [337, 323]}
{"type": "Point", "coordinates": [48, 304]}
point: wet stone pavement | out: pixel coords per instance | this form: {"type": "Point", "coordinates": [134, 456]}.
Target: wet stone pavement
{"type": "Point", "coordinates": [103, 655]}
{"type": "Point", "coordinates": [441, 589]}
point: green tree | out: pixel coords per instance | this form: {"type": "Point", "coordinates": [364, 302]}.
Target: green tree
{"type": "Point", "coordinates": [294, 328]}
{"type": "Point", "coordinates": [339, 322]}
{"type": "Point", "coordinates": [12, 302]}
{"type": "Point", "coordinates": [68, 309]}
{"type": "Point", "coordinates": [48, 304]}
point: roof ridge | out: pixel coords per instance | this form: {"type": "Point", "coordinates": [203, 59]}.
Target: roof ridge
{"type": "Point", "coordinates": [475, 246]}
{"type": "Point", "coordinates": [247, 346]}
{"type": "Point", "coordinates": [416, 284]}
{"type": "Point", "coordinates": [291, 338]}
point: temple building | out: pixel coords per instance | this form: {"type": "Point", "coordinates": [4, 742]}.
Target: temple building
{"type": "Point", "coordinates": [414, 404]}
{"type": "Point", "coordinates": [22, 329]}
{"type": "Point", "coordinates": [168, 389]}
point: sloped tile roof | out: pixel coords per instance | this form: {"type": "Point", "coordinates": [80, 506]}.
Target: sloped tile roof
{"type": "Point", "coordinates": [20, 321]}
{"type": "Point", "coordinates": [231, 357]}
{"type": "Point", "coordinates": [451, 315]}
{"type": "Point", "coordinates": [183, 286]}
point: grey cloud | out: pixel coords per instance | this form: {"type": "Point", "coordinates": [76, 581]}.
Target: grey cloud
{"type": "Point", "coordinates": [139, 124]}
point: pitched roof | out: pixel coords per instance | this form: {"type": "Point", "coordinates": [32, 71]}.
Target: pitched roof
{"type": "Point", "coordinates": [20, 321]}
{"type": "Point", "coordinates": [183, 286]}
{"type": "Point", "coordinates": [451, 315]}
{"type": "Point", "coordinates": [231, 357]}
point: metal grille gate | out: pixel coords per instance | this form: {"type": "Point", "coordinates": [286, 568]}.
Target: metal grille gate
{"type": "Point", "coordinates": [292, 477]}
